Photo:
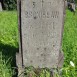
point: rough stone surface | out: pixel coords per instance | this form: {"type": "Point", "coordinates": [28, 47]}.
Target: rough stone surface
{"type": "Point", "coordinates": [0, 7]}
{"type": "Point", "coordinates": [41, 32]}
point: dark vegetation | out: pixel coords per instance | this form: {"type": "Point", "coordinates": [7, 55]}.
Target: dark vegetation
{"type": "Point", "coordinates": [9, 4]}
{"type": "Point", "coordinates": [12, 4]}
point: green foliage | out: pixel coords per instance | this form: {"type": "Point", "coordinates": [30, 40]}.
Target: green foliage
{"type": "Point", "coordinates": [8, 28]}
{"type": "Point", "coordinates": [76, 1]}
{"type": "Point", "coordinates": [70, 43]}
{"type": "Point", "coordinates": [70, 38]}
{"type": "Point", "coordinates": [5, 68]}
{"type": "Point", "coordinates": [8, 42]}
{"type": "Point", "coordinates": [10, 4]}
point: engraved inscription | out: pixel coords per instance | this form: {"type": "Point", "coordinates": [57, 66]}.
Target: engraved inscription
{"type": "Point", "coordinates": [39, 14]}
{"type": "Point", "coordinates": [41, 24]}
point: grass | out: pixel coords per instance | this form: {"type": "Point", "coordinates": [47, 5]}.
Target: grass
{"type": "Point", "coordinates": [70, 44]}
{"type": "Point", "coordinates": [8, 28]}
{"type": "Point", "coordinates": [5, 68]}
{"type": "Point", "coordinates": [9, 44]}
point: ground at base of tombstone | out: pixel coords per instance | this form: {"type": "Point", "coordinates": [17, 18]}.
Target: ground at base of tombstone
{"type": "Point", "coordinates": [9, 44]}
{"type": "Point", "coordinates": [44, 72]}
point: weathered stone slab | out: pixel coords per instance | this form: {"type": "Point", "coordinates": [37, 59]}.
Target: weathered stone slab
{"type": "Point", "coordinates": [0, 7]}
{"type": "Point", "coordinates": [41, 28]}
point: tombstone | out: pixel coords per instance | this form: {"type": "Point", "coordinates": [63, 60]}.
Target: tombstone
{"type": "Point", "coordinates": [40, 29]}
{"type": "Point", "coordinates": [71, 5]}
{"type": "Point", "coordinates": [0, 7]}
{"type": "Point", "coordinates": [66, 4]}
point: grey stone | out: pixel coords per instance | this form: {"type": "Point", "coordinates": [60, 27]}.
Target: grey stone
{"type": "Point", "coordinates": [0, 7]}
{"type": "Point", "coordinates": [66, 4]}
{"type": "Point", "coordinates": [40, 30]}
